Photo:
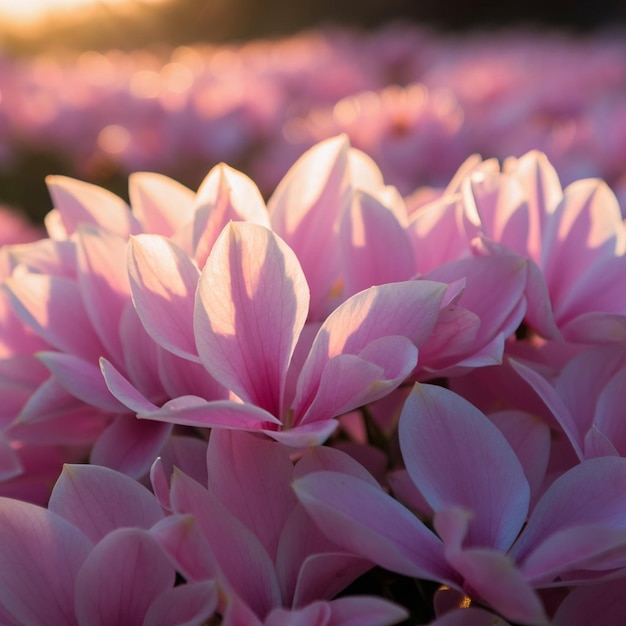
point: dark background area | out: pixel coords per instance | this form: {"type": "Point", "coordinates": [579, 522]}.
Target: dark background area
{"type": "Point", "coordinates": [188, 21]}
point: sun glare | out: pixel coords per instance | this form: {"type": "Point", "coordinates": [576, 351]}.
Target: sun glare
{"type": "Point", "coordinates": [30, 11]}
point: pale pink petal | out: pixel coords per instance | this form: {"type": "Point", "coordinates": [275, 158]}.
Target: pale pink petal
{"type": "Point", "coordinates": [251, 305]}
{"type": "Point", "coordinates": [589, 493]}
{"type": "Point", "coordinates": [494, 580]}
{"type": "Point", "coordinates": [409, 309]}
{"type": "Point", "coordinates": [161, 204]}
{"type": "Point", "coordinates": [495, 205]}
{"type": "Point", "coordinates": [83, 203]}
{"type": "Point", "coordinates": [53, 307]}
{"type": "Point", "coordinates": [103, 282]}
{"type": "Point", "coordinates": [121, 578]}
{"type": "Point", "coordinates": [130, 445]}
{"type": "Point", "coordinates": [350, 381]}
{"type": "Point", "coordinates": [196, 411]}
{"type": "Point", "coordinates": [241, 556]}
{"type": "Point", "coordinates": [251, 478]}
{"type": "Point", "coordinates": [182, 538]}
{"type": "Point", "coordinates": [323, 576]}
{"type": "Point", "coordinates": [225, 195]}
{"type": "Point", "coordinates": [436, 233]}
{"type": "Point", "coordinates": [457, 457]}
{"type": "Point", "coordinates": [10, 464]}
{"type": "Point", "coordinates": [554, 402]}
{"type": "Point", "coordinates": [192, 604]}
{"type": "Point", "coordinates": [163, 281]}
{"type": "Point", "coordinates": [368, 231]}
{"type": "Point", "coordinates": [40, 556]}
{"type": "Point", "coordinates": [366, 521]}
{"type": "Point", "coordinates": [543, 193]}
{"type": "Point", "coordinates": [123, 390]}
{"type": "Point", "coordinates": [305, 435]}
{"type": "Point", "coordinates": [530, 439]}
{"type": "Point", "coordinates": [493, 290]}
{"type": "Point", "coordinates": [596, 327]}
{"type": "Point", "coordinates": [365, 611]}
{"type": "Point", "coordinates": [304, 210]}
{"type": "Point", "coordinates": [98, 500]}
{"type": "Point", "coordinates": [591, 547]}
{"type": "Point", "coordinates": [82, 379]}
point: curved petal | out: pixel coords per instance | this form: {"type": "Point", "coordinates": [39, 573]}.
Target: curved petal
{"type": "Point", "coordinates": [225, 195]}
{"type": "Point", "coordinates": [163, 280]}
{"type": "Point", "coordinates": [593, 492]}
{"type": "Point", "coordinates": [161, 204]}
{"type": "Point", "coordinates": [79, 203]}
{"type": "Point", "coordinates": [191, 604]}
{"type": "Point", "coordinates": [40, 556]}
{"type": "Point", "coordinates": [364, 520]}
{"type": "Point", "coordinates": [98, 500]}
{"type": "Point", "coordinates": [368, 231]}
{"type": "Point", "coordinates": [121, 578]}
{"type": "Point", "coordinates": [251, 305]}
{"type": "Point", "coordinates": [407, 309]}
{"type": "Point", "coordinates": [457, 457]}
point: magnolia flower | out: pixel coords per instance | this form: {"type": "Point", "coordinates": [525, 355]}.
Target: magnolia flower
{"type": "Point", "coordinates": [92, 559]}
{"type": "Point", "coordinates": [489, 544]}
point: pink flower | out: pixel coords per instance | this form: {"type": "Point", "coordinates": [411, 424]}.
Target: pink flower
{"type": "Point", "coordinates": [489, 544]}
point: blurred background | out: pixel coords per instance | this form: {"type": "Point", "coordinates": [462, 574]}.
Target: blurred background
{"type": "Point", "coordinates": [96, 89]}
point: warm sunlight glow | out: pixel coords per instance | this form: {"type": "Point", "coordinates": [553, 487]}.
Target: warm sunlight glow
{"type": "Point", "coordinates": [28, 11]}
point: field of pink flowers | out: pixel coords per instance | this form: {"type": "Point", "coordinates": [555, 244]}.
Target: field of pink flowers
{"type": "Point", "coordinates": [379, 381]}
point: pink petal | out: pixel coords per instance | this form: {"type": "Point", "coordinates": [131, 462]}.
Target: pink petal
{"type": "Point", "coordinates": [53, 307]}
{"type": "Point", "coordinates": [121, 578]}
{"type": "Point", "coordinates": [596, 605]}
{"type": "Point", "coordinates": [241, 556]}
{"type": "Point", "coordinates": [591, 547]}
{"type": "Point", "coordinates": [82, 379]}
{"type": "Point", "coordinates": [553, 401]}
{"type": "Point", "coordinates": [323, 576]}
{"type": "Point", "coordinates": [364, 520]}
{"type": "Point", "coordinates": [365, 611]}
{"type": "Point", "coordinates": [530, 439]}
{"type": "Point", "coordinates": [312, 615]}
{"type": "Point", "coordinates": [103, 282]}
{"type": "Point", "coordinates": [251, 478]}
{"type": "Point", "coordinates": [225, 195]}
{"type": "Point", "coordinates": [83, 203]}
{"type": "Point", "coordinates": [304, 211]}
{"type": "Point", "coordinates": [130, 445]}
{"type": "Point", "coordinates": [40, 556]}
{"type": "Point", "coordinates": [408, 309]}
{"type": "Point", "coordinates": [457, 457]}
{"type": "Point", "coordinates": [492, 578]}
{"type": "Point", "coordinates": [305, 435]}
{"type": "Point", "coordinates": [98, 500]}
{"type": "Point", "coordinates": [368, 231]}
{"type": "Point", "coordinates": [584, 232]}
{"type": "Point", "coordinates": [183, 540]}
{"type": "Point", "coordinates": [186, 605]}
{"type": "Point", "coordinates": [195, 411]}
{"type": "Point", "coordinates": [589, 493]}
{"type": "Point", "coordinates": [350, 381]}
{"type": "Point", "coordinates": [161, 204]}
{"type": "Point", "coordinates": [163, 281]}
{"type": "Point", "coordinates": [251, 305]}
{"type": "Point", "coordinates": [123, 390]}
{"type": "Point", "coordinates": [543, 193]}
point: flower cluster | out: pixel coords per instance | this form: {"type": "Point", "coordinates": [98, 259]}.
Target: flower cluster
{"type": "Point", "coordinates": [259, 105]}
{"type": "Point", "coordinates": [342, 406]}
